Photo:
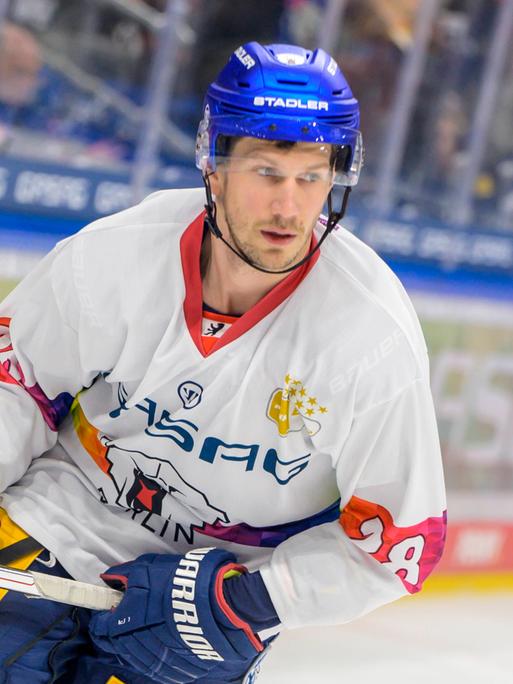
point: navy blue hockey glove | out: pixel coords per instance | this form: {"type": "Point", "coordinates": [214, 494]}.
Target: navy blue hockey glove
{"type": "Point", "coordinates": [174, 624]}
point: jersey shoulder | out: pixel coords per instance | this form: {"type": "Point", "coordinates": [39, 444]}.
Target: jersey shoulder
{"type": "Point", "coordinates": [161, 208]}
{"type": "Point", "coordinates": [124, 263]}
{"type": "Point", "coordinates": [374, 285]}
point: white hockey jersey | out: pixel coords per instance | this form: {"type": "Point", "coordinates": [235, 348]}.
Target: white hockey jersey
{"type": "Point", "coordinates": [305, 439]}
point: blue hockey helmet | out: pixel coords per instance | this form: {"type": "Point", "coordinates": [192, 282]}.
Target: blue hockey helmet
{"type": "Point", "coordinates": [282, 92]}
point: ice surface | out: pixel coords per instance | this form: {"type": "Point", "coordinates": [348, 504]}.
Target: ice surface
{"type": "Point", "coordinates": [457, 639]}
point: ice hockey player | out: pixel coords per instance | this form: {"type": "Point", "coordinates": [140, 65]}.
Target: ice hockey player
{"type": "Point", "coordinates": [223, 408]}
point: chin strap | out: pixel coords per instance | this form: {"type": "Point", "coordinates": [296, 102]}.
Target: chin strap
{"type": "Point", "coordinates": [333, 218]}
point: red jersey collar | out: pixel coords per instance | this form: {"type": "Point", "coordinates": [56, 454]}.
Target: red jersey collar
{"type": "Point", "coordinates": [190, 251]}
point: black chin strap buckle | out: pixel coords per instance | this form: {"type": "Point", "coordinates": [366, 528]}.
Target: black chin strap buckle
{"type": "Point", "coordinates": [335, 216]}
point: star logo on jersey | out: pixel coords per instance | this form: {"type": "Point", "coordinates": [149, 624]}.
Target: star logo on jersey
{"type": "Point", "coordinates": [293, 408]}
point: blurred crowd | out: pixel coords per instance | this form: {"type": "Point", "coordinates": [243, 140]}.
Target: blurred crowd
{"type": "Point", "coordinates": [57, 55]}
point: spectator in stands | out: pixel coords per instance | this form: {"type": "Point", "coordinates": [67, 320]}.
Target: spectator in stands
{"type": "Point", "coordinates": [372, 38]}
{"type": "Point", "coordinates": [220, 25]}
{"type": "Point", "coordinates": [20, 63]}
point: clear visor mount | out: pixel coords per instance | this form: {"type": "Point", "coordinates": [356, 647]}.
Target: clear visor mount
{"type": "Point", "coordinates": [350, 177]}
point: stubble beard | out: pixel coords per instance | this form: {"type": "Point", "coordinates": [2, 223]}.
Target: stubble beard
{"type": "Point", "coordinates": [253, 253]}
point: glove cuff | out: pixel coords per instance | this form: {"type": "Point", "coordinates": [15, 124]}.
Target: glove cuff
{"type": "Point", "coordinates": [228, 612]}
{"type": "Point", "coordinates": [116, 581]}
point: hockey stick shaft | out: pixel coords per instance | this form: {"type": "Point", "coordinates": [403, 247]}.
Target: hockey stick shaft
{"type": "Point", "coordinates": [60, 589]}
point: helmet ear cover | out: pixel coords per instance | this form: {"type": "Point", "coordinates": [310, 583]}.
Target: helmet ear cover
{"type": "Point", "coordinates": [339, 156]}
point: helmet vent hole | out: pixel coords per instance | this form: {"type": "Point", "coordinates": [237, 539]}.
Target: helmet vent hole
{"type": "Point", "coordinates": [295, 82]}
{"type": "Point", "coordinates": [243, 84]}
{"type": "Point", "coordinates": [337, 92]}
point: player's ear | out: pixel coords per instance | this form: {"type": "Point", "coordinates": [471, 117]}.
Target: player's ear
{"type": "Point", "coordinates": [217, 182]}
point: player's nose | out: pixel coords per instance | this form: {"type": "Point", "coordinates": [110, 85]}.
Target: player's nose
{"type": "Point", "coordinates": [284, 201]}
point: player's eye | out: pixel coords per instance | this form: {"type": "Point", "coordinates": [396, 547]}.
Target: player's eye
{"type": "Point", "coordinates": [310, 177]}
{"type": "Point", "coordinates": [268, 171]}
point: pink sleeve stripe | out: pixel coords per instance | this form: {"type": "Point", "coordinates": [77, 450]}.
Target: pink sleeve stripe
{"type": "Point", "coordinates": [53, 410]}
{"type": "Point", "coordinates": [409, 552]}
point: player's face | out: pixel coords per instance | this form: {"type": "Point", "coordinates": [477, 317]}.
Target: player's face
{"type": "Point", "coordinates": [269, 198]}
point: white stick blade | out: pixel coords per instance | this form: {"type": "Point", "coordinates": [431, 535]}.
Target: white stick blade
{"type": "Point", "coordinates": [77, 593]}
{"type": "Point", "coordinates": [60, 589]}
{"type": "Point", "coordinates": [18, 580]}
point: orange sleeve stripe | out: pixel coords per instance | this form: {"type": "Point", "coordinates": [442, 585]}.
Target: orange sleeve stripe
{"type": "Point", "coordinates": [88, 436]}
